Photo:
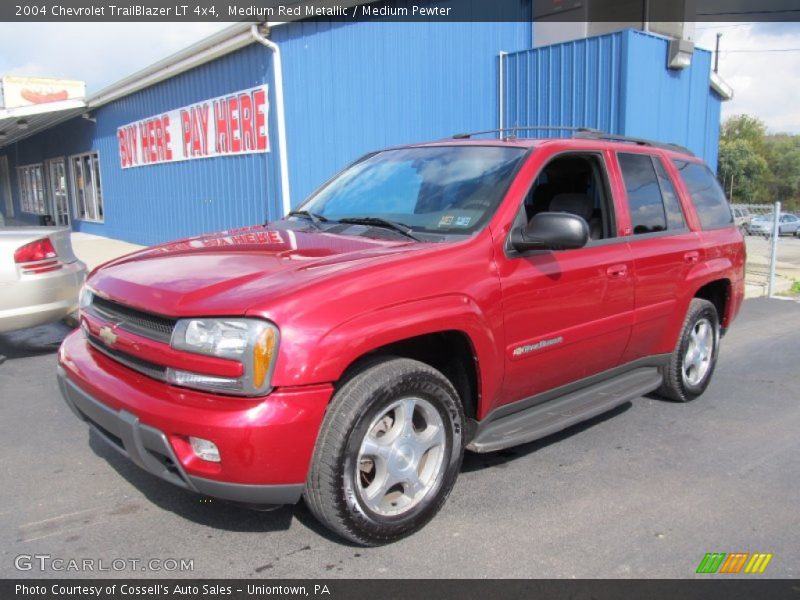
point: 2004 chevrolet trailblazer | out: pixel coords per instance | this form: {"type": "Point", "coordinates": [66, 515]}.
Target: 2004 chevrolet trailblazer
{"type": "Point", "coordinates": [463, 294]}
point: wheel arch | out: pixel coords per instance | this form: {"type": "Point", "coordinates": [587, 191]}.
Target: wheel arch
{"type": "Point", "coordinates": [449, 333]}
{"type": "Point", "coordinates": [717, 281]}
{"type": "Point", "coordinates": [450, 352]}
{"type": "Point", "coordinates": [718, 292]}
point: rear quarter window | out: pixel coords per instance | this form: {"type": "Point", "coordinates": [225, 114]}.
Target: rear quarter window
{"type": "Point", "coordinates": [645, 201]}
{"type": "Point", "coordinates": [707, 196]}
{"type": "Point", "coordinates": [672, 205]}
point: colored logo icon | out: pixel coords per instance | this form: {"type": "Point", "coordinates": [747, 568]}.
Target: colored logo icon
{"type": "Point", "coordinates": [734, 562]}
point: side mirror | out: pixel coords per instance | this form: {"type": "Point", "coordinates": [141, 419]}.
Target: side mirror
{"type": "Point", "coordinates": [551, 231]}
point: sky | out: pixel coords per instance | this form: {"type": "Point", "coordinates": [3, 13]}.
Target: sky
{"type": "Point", "coordinates": [766, 84]}
{"type": "Point", "coordinates": [97, 53]}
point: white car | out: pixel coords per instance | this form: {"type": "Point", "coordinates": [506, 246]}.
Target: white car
{"type": "Point", "coordinates": [788, 224]}
{"type": "Point", "coordinates": [742, 217]}
{"type": "Point", "coordinates": [40, 276]}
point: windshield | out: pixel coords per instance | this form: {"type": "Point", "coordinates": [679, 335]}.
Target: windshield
{"type": "Point", "coordinates": [441, 189]}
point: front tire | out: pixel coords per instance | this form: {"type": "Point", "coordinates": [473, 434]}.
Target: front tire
{"type": "Point", "coordinates": [388, 454]}
{"type": "Point", "coordinates": [693, 362]}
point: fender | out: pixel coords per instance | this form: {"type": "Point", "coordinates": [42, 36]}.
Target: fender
{"type": "Point", "coordinates": [707, 271]}
{"type": "Point", "coordinates": [701, 274]}
{"type": "Point", "coordinates": [327, 359]}
{"type": "Point", "coordinates": [721, 268]}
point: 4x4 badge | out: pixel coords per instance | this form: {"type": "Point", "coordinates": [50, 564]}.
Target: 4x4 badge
{"type": "Point", "coordinates": [108, 335]}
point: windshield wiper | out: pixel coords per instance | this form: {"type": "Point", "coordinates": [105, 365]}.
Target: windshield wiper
{"type": "Point", "coordinates": [384, 223]}
{"type": "Point", "coordinates": [315, 218]}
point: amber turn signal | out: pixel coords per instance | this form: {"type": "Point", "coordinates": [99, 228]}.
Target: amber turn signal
{"type": "Point", "coordinates": [262, 356]}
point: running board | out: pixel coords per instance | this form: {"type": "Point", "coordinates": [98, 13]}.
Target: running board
{"type": "Point", "coordinates": [549, 417]}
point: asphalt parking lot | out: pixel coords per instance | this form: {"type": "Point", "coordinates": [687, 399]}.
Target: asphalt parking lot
{"type": "Point", "coordinates": [644, 491]}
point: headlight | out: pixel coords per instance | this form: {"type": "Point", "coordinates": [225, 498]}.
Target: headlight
{"type": "Point", "coordinates": [85, 297]}
{"type": "Point", "coordinates": [252, 342]}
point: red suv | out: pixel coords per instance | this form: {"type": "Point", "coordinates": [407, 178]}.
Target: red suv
{"type": "Point", "coordinates": [463, 294]}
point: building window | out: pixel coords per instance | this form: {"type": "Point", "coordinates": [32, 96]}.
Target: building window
{"type": "Point", "coordinates": [87, 195]}
{"type": "Point", "coordinates": [57, 179]}
{"type": "Point", "coordinates": [31, 189]}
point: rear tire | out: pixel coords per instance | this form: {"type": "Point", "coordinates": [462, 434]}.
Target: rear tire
{"type": "Point", "coordinates": [693, 362]}
{"type": "Point", "coordinates": [388, 453]}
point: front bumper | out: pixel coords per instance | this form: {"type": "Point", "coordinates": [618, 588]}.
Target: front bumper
{"type": "Point", "coordinates": [265, 443]}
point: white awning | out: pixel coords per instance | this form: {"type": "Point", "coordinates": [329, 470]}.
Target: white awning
{"type": "Point", "coordinates": [719, 85]}
{"type": "Point", "coordinates": [24, 121]}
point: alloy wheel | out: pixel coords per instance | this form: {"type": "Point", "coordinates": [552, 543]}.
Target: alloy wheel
{"type": "Point", "coordinates": [699, 352]}
{"type": "Point", "coordinates": [401, 457]}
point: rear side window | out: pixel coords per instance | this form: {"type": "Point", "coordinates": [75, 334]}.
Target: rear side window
{"type": "Point", "coordinates": [709, 201]}
{"type": "Point", "coordinates": [644, 193]}
{"type": "Point", "coordinates": [671, 203]}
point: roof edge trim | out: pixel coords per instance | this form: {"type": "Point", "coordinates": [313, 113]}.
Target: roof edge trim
{"type": "Point", "coordinates": [224, 42]}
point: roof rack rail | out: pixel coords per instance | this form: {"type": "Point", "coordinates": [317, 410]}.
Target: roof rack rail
{"type": "Point", "coordinates": [586, 133]}
{"type": "Point", "coordinates": [513, 130]}
{"type": "Point", "coordinates": [599, 135]}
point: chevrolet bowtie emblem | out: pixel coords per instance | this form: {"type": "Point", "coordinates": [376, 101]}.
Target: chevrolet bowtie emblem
{"type": "Point", "coordinates": [108, 335]}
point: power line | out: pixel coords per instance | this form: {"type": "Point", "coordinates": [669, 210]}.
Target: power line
{"type": "Point", "coordinates": [726, 26]}
{"type": "Point", "coordinates": [766, 50]}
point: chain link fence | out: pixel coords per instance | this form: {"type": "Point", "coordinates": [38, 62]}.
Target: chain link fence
{"type": "Point", "coordinates": [773, 261]}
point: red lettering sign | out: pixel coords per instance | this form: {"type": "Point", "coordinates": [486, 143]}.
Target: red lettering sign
{"type": "Point", "coordinates": [260, 108]}
{"type": "Point", "coordinates": [233, 124]}
{"type": "Point", "coordinates": [186, 131]}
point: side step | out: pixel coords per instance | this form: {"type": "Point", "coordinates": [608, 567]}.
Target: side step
{"type": "Point", "coordinates": [549, 417]}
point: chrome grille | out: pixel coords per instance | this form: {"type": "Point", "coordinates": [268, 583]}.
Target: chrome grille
{"type": "Point", "coordinates": [137, 364]}
{"type": "Point", "coordinates": [135, 321]}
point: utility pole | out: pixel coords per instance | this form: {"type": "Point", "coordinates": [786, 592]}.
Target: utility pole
{"type": "Point", "coordinates": [716, 55]}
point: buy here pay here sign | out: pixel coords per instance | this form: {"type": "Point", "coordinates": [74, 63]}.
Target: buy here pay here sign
{"type": "Point", "coordinates": [227, 125]}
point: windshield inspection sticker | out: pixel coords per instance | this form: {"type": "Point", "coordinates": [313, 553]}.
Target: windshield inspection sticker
{"type": "Point", "coordinates": [452, 220]}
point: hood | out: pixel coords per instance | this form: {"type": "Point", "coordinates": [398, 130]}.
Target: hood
{"type": "Point", "coordinates": [228, 272]}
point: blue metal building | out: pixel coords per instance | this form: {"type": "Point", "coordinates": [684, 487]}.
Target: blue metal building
{"type": "Point", "coordinates": [347, 88]}
{"type": "Point", "coordinates": [618, 83]}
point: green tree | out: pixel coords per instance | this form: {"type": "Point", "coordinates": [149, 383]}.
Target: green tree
{"type": "Point", "coordinates": [741, 170]}
{"type": "Point", "coordinates": [782, 154]}
{"type": "Point", "coordinates": [747, 128]}
{"type": "Point", "coordinates": [758, 167]}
